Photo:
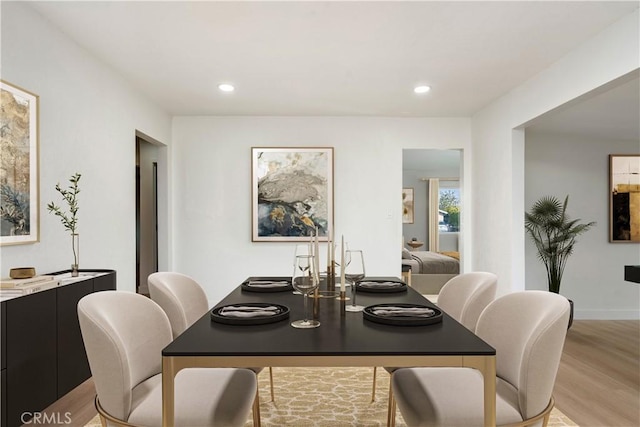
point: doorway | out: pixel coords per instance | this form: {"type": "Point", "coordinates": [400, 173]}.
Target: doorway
{"type": "Point", "coordinates": [146, 212]}
{"type": "Point", "coordinates": [444, 169]}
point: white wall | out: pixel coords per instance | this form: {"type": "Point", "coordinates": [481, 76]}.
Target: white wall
{"type": "Point", "coordinates": [211, 189]}
{"type": "Point", "coordinates": [411, 179]}
{"type": "Point", "coordinates": [557, 165]}
{"type": "Point", "coordinates": [498, 143]}
{"type": "Point", "coordinates": [88, 119]}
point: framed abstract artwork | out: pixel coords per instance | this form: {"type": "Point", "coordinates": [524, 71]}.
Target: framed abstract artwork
{"type": "Point", "coordinates": [407, 205]}
{"type": "Point", "coordinates": [19, 182]}
{"type": "Point", "coordinates": [624, 198]}
{"type": "Point", "coordinates": [291, 193]}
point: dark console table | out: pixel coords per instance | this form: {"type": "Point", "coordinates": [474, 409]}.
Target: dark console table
{"type": "Point", "coordinates": [43, 356]}
{"type": "Point", "coordinates": [632, 273]}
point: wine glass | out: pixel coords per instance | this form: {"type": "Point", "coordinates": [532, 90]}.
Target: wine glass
{"type": "Point", "coordinates": [353, 273]}
{"type": "Point", "coordinates": [337, 249]}
{"type": "Point", "coordinates": [337, 258]}
{"type": "Point", "coordinates": [305, 281]}
{"type": "Point", "coordinates": [303, 249]}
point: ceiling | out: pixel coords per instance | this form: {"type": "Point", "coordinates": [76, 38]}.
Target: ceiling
{"type": "Point", "coordinates": [611, 115]}
{"type": "Point", "coordinates": [332, 58]}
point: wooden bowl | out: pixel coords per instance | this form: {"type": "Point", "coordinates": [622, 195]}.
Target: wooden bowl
{"type": "Point", "coordinates": [22, 273]}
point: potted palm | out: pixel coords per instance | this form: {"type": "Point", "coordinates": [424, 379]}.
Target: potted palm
{"type": "Point", "coordinates": [554, 235]}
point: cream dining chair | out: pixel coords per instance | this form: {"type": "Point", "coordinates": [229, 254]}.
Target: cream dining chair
{"type": "Point", "coordinates": [528, 331]}
{"type": "Point", "coordinates": [463, 297]}
{"type": "Point", "coordinates": [184, 301]}
{"type": "Point", "coordinates": [124, 334]}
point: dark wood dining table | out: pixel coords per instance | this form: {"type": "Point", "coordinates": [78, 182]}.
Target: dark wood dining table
{"type": "Point", "coordinates": [343, 339]}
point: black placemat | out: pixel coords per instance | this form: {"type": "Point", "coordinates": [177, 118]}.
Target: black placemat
{"type": "Point", "coordinates": [247, 313]}
{"type": "Point", "coordinates": [381, 285]}
{"type": "Point", "coordinates": [267, 284]}
{"type": "Point", "coordinates": [383, 313]}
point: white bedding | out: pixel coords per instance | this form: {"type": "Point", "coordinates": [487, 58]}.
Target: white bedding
{"type": "Point", "coordinates": [426, 262]}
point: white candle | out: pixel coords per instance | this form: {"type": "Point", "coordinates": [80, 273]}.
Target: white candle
{"type": "Point", "coordinates": [342, 264]}
{"type": "Point", "coordinates": [333, 249]}
{"type": "Point", "coordinates": [316, 252]}
{"type": "Point", "coordinates": [328, 256]}
{"type": "Point", "coordinates": [312, 264]}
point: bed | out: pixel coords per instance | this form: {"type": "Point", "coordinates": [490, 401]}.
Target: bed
{"type": "Point", "coordinates": [431, 270]}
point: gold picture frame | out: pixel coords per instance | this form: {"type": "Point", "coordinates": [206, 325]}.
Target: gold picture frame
{"type": "Point", "coordinates": [291, 193]}
{"type": "Point", "coordinates": [624, 198]}
{"type": "Point", "coordinates": [19, 166]}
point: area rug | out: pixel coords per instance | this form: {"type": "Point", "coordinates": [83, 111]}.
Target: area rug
{"type": "Point", "coordinates": [331, 397]}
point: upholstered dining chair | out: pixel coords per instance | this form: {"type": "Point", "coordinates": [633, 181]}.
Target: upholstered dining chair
{"type": "Point", "coordinates": [184, 301]}
{"type": "Point", "coordinates": [528, 331]}
{"type": "Point", "coordinates": [124, 334]}
{"type": "Point", "coordinates": [463, 297]}
{"type": "Point", "coordinates": [466, 295]}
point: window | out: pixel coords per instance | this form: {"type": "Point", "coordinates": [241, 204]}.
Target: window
{"type": "Point", "coordinates": [449, 207]}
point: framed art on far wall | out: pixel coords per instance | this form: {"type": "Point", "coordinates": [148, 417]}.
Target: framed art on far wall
{"type": "Point", "coordinates": [624, 198]}
{"type": "Point", "coordinates": [407, 205]}
{"type": "Point", "coordinates": [19, 182]}
{"type": "Point", "coordinates": [291, 193]}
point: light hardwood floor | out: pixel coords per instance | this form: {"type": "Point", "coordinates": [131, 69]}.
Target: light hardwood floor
{"type": "Point", "coordinates": [598, 383]}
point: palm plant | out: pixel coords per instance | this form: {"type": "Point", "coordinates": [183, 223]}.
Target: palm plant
{"type": "Point", "coordinates": [554, 235]}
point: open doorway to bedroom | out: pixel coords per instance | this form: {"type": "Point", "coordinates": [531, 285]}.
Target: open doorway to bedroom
{"type": "Point", "coordinates": [432, 215]}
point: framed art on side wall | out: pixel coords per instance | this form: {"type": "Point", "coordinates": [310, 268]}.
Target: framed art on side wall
{"type": "Point", "coordinates": [624, 198]}
{"type": "Point", "coordinates": [407, 205]}
{"type": "Point", "coordinates": [19, 189]}
{"type": "Point", "coordinates": [291, 193]}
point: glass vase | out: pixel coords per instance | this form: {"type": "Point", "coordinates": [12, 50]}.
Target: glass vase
{"type": "Point", "coordinates": [75, 246]}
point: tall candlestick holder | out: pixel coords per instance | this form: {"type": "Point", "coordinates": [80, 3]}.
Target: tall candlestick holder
{"type": "Point", "coordinates": [331, 277]}
{"type": "Point", "coordinates": [316, 304]}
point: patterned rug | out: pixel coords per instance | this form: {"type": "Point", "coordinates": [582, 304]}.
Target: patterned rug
{"type": "Point", "coordinates": [331, 397]}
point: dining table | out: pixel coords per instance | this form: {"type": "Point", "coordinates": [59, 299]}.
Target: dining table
{"type": "Point", "coordinates": [343, 339]}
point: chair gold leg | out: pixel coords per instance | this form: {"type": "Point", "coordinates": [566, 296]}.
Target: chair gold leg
{"type": "Point", "coordinates": [106, 419]}
{"type": "Point", "coordinates": [544, 416]}
{"type": "Point", "coordinates": [373, 389]}
{"type": "Point", "coordinates": [273, 399]}
{"type": "Point", "coordinates": [391, 410]}
{"type": "Point", "coordinates": [256, 409]}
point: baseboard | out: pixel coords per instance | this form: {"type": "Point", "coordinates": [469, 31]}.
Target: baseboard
{"type": "Point", "coordinates": [606, 315]}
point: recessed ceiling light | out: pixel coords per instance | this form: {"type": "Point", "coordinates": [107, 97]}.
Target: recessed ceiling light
{"type": "Point", "coordinates": [422, 89]}
{"type": "Point", "coordinates": [225, 87]}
